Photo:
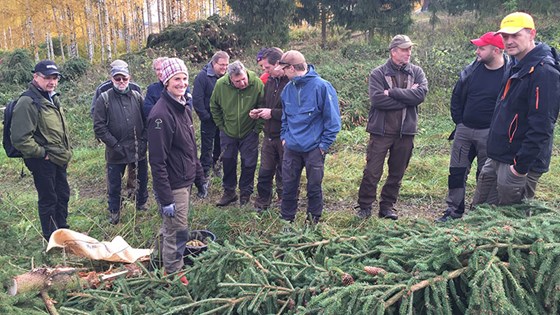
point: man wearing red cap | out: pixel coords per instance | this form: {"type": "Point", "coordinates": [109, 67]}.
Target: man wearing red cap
{"type": "Point", "coordinates": [522, 129]}
{"type": "Point", "coordinates": [472, 104]}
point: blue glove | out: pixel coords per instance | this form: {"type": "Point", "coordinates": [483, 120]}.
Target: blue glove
{"type": "Point", "coordinates": [168, 210]}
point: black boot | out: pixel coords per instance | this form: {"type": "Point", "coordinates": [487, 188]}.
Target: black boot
{"type": "Point", "coordinates": [363, 212]}
{"type": "Point", "coordinates": [228, 197]}
{"type": "Point", "coordinates": [388, 214]}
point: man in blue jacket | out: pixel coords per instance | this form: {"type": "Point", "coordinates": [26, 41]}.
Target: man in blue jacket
{"type": "Point", "coordinates": [522, 129]}
{"type": "Point", "coordinates": [472, 104]}
{"type": "Point", "coordinates": [310, 123]}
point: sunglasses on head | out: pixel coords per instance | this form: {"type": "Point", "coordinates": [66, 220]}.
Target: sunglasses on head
{"type": "Point", "coordinates": [119, 79]}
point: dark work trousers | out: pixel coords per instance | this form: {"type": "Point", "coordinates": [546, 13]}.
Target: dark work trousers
{"type": "Point", "coordinates": [209, 145]}
{"type": "Point", "coordinates": [468, 144]}
{"type": "Point", "coordinates": [292, 165]}
{"type": "Point", "coordinates": [115, 173]}
{"type": "Point", "coordinates": [131, 178]}
{"type": "Point", "coordinates": [498, 185]}
{"type": "Point", "coordinates": [52, 188]}
{"type": "Point", "coordinates": [248, 148]}
{"type": "Point", "coordinates": [272, 152]}
{"type": "Point", "coordinates": [400, 151]}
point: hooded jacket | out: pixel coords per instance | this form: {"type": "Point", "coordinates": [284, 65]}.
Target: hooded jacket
{"type": "Point", "coordinates": [172, 148]}
{"type": "Point", "coordinates": [230, 106]}
{"type": "Point", "coordinates": [311, 116]}
{"type": "Point", "coordinates": [405, 100]}
{"type": "Point", "coordinates": [38, 133]}
{"type": "Point", "coordinates": [522, 128]}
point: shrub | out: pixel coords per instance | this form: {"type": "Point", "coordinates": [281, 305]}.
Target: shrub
{"type": "Point", "coordinates": [16, 67]}
{"type": "Point", "coordinates": [75, 68]}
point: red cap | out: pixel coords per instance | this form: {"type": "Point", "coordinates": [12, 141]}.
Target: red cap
{"type": "Point", "coordinates": [490, 38]}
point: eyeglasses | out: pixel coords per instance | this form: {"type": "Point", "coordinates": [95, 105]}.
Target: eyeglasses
{"type": "Point", "coordinates": [49, 77]}
{"type": "Point", "coordinates": [284, 66]}
{"type": "Point", "coordinates": [119, 79]}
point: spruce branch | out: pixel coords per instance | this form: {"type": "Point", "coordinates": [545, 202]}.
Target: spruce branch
{"type": "Point", "coordinates": [251, 257]}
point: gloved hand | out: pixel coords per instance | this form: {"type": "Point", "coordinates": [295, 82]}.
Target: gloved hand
{"type": "Point", "coordinates": [168, 210]}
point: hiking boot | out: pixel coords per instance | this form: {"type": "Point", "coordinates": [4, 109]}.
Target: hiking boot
{"type": "Point", "coordinates": [448, 215]}
{"type": "Point", "coordinates": [114, 217]}
{"type": "Point", "coordinates": [312, 219]}
{"type": "Point", "coordinates": [228, 197]}
{"type": "Point", "coordinates": [142, 207]}
{"type": "Point", "coordinates": [363, 212]}
{"type": "Point", "coordinates": [388, 214]}
{"type": "Point", "coordinates": [244, 199]}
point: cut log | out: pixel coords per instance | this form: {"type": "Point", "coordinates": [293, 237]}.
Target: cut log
{"type": "Point", "coordinates": [44, 279]}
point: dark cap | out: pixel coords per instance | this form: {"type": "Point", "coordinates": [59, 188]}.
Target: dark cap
{"type": "Point", "coordinates": [292, 57]}
{"type": "Point", "coordinates": [401, 41]}
{"type": "Point", "coordinates": [490, 38]}
{"type": "Point", "coordinates": [121, 71]}
{"type": "Point", "coordinates": [46, 67]}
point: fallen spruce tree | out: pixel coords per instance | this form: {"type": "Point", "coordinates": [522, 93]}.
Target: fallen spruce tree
{"type": "Point", "coordinates": [495, 261]}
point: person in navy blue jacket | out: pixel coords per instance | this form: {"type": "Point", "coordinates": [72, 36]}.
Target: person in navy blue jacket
{"type": "Point", "coordinates": [522, 128]}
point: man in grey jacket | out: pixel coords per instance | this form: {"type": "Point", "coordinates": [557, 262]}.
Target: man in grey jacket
{"type": "Point", "coordinates": [396, 88]}
{"type": "Point", "coordinates": [119, 122]}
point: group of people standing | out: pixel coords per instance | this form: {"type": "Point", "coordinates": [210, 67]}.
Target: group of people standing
{"type": "Point", "coordinates": [505, 105]}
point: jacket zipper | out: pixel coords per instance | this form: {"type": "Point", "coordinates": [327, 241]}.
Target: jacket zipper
{"type": "Point", "coordinates": [537, 98]}
{"type": "Point", "coordinates": [513, 125]}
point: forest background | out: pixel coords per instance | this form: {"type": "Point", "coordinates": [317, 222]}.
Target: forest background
{"type": "Point", "coordinates": [343, 39]}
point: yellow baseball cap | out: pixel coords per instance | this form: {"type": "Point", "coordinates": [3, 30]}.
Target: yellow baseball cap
{"type": "Point", "coordinates": [515, 22]}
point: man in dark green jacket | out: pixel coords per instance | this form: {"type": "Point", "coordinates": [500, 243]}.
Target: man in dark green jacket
{"type": "Point", "coordinates": [234, 96]}
{"type": "Point", "coordinates": [40, 133]}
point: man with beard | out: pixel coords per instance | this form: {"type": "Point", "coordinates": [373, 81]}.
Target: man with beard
{"type": "Point", "coordinates": [472, 104]}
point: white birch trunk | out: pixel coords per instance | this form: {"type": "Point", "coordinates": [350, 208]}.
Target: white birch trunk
{"type": "Point", "coordinates": [89, 30]}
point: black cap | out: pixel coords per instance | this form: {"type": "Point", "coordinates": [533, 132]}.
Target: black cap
{"type": "Point", "coordinates": [46, 67]}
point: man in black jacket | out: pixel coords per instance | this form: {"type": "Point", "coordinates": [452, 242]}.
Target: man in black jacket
{"type": "Point", "coordinates": [120, 124]}
{"type": "Point", "coordinates": [521, 132]}
{"type": "Point", "coordinates": [472, 104]}
{"type": "Point", "coordinates": [272, 149]}
{"type": "Point", "coordinates": [209, 134]}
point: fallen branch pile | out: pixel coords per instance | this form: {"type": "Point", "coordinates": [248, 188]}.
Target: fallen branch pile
{"type": "Point", "coordinates": [496, 261]}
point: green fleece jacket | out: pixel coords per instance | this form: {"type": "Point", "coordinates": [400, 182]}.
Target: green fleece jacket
{"type": "Point", "coordinates": [36, 134]}
{"type": "Point", "coordinates": [230, 106]}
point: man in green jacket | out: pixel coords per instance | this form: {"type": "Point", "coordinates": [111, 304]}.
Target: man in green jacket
{"type": "Point", "coordinates": [40, 133]}
{"type": "Point", "coordinates": [234, 96]}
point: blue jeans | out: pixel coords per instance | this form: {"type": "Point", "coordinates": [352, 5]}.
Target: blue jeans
{"type": "Point", "coordinates": [292, 165]}
{"type": "Point", "coordinates": [54, 192]}
{"type": "Point", "coordinates": [115, 173]}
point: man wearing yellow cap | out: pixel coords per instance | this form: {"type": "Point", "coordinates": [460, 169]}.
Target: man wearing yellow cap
{"type": "Point", "coordinates": [522, 127]}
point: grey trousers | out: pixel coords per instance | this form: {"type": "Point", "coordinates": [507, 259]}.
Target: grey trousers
{"type": "Point", "coordinates": [469, 143]}
{"type": "Point", "coordinates": [499, 186]}
{"type": "Point", "coordinates": [175, 231]}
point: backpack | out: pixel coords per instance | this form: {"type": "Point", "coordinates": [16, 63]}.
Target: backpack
{"type": "Point", "coordinates": [135, 94]}
{"type": "Point", "coordinates": [8, 113]}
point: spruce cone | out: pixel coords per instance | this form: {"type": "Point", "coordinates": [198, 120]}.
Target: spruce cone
{"type": "Point", "coordinates": [347, 279]}
{"type": "Point", "coordinates": [374, 271]}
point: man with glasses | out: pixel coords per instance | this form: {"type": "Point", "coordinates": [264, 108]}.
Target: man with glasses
{"type": "Point", "coordinates": [119, 122]}
{"type": "Point", "coordinates": [209, 134]}
{"type": "Point", "coordinates": [39, 132]}
{"type": "Point", "coordinates": [107, 85]}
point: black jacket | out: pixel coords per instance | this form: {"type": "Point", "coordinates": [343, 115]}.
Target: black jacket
{"type": "Point", "coordinates": [203, 87]}
{"type": "Point", "coordinates": [121, 126]}
{"type": "Point", "coordinates": [459, 94]}
{"type": "Point", "coordinates": [272, 91]}
{"type": "Point", "coordinates": [172, 147]}
{"type": "Point", "coordinates": [522, 126]}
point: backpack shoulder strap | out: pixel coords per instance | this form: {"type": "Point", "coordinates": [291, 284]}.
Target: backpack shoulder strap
{"type": "Point", "coordinates": [105, 96]}
{"type": "Point", "coordinates": [33, 97]}
{"type": "Point", "coordinates": [138, 97]}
